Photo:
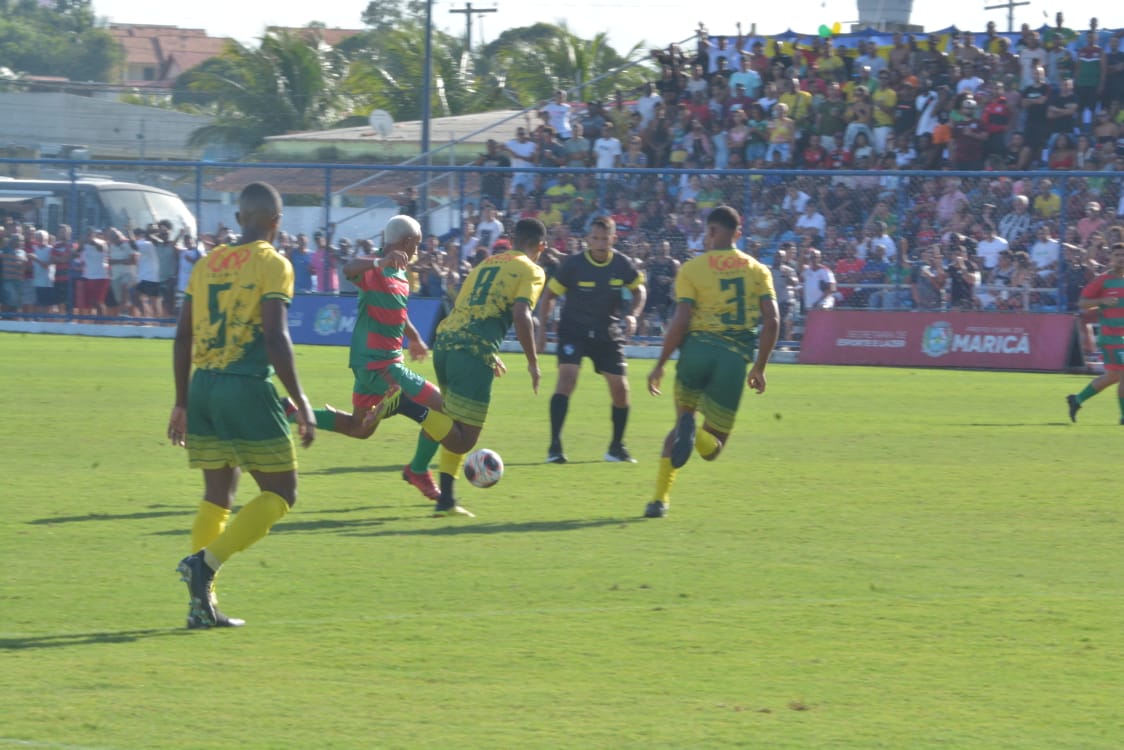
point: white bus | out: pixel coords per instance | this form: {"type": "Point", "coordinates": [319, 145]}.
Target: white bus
{"type": "Point", "coordinates": [91, 203]}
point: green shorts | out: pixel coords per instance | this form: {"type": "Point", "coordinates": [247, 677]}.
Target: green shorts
{"type": "Point", "coordinates": [234, 420]}
{"type": "Point", "coordinates": [466, 385]}
{"type": "Point", "coordinates": [710, 379]}
{"type": "Point", "coordinates": [370, 385]}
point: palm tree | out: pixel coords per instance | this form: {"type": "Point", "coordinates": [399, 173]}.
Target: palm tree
{"type": "Point", "coordinates": [537, 60]}
{"type": "Point", "coordinates": [388, 64]}
{"type": "Point", "coordinates": [291, 82]}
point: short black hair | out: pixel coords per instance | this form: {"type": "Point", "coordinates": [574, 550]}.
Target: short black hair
{"type": "Point", "coordinates": [725, 217]}
{"type": "Point", "coordinates": [529, 233]}
{"type": "Point", "coordinates": [605, 222]}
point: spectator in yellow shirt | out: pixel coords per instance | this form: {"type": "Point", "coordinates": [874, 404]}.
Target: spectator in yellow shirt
{"type": "Point", "coordinates": [1047, 204]}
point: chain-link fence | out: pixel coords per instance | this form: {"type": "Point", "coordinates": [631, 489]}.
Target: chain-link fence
{"type": "Point", "coordinates": [876, 239]}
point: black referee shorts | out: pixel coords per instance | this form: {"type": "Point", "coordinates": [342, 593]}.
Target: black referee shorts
{"type": "Point", "coordinates": [607, 356]}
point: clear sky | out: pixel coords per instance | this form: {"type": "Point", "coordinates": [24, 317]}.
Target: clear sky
{"type": "Point", "coordinates": [653, 22]}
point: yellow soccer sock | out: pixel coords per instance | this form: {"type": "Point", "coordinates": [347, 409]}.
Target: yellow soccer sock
{"type": "Point", "coordinates": [437, 425]}
{"type": "Point", "coordinates": [449, 462]}
{"type": "Point", "coordinates": [210, 520]}
{"type": "Point", "coordinates": [705, 443]}
{"type": "Point", "coordinates": [665, 477]}
{"type": "Point", "coordinates": [250, 524]}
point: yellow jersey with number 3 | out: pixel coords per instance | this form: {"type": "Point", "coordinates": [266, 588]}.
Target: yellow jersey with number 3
{"type": "Point", "coordinates": [226, 290]}
{"type": "Point", "coordinates": [725, 289]}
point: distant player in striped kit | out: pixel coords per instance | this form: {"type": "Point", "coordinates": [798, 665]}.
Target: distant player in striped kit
{"type": "Point", "coordinates": [1106, 295]}
{"type": "Point", "coordinates": [376, 358]}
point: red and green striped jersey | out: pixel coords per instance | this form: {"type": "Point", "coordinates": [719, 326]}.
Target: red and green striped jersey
{"type": "Point", "coordinates": [1112, 317]}
{"type": "Point", "coordinates": [377, 339]}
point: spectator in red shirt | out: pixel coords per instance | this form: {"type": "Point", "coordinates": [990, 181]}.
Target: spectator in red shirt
{"type": "Point", "coordinates": [848, 269]}
{"type": "Point", "coordinates": [626, 217]}
{"type": "Point", "coordinates": [996, 119]}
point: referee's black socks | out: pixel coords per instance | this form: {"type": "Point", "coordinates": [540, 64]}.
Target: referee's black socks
{"type": "Point", "coordinates": [620, 419]}
{"type": "Point", "coordinates": [559, 405]}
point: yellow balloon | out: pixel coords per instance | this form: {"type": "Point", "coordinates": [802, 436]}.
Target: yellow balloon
{"type": "Point", "coordinates": [836, 27]}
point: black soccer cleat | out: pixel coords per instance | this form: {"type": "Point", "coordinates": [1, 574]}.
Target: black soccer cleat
{"type": "Point", "coordinates": [1074, 406]}
{"type": "Point", "coordinates": [684, 440]}
{"type": "Point", "coordinates": [555, 454]}
{"type": "Point", "coordinates": [221, 621]}
{"type": "Point", "coordinates": [619, 454]}
{"type": "Point", "coordinates": [199, 578]}
{"type": "Point", "coordinates": [655, 509]}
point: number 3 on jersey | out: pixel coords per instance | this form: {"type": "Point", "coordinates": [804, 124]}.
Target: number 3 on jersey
{"type": "Point", "coordinates": [737, 317]}
{"type": "Point", "coordinates": [483, 285]}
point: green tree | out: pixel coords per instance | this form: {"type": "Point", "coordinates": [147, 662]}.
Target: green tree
{"type": "Point", "coordinates": [537, 60]}
{"type": "Point", "coordinates": [60, 40]}
{"type": "Point", "coordinates": [388, 67]}
{"type": "Point", "coordinates": [286, 84]}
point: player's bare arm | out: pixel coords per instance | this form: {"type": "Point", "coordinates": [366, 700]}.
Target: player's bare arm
{"type": "Point", "coordinates": [770, 331]}
{"type": "Point", "coordinates": [416, 344]}
{"type": "Point", "coordinates": [279, 348]}
{"type": "Point", "coordinates": [639, 297]}
{"type": "Point", "coordinates": [676, 334]}
{"type": "Point", "coordinates": [546, 306]}
{"type": "Point", "coordinates": [525, 333]}
{"type": "Point", "coordinates": [181, 369]}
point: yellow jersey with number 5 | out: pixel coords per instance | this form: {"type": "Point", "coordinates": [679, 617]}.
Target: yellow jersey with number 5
{"type": "Point", "coordinates": [226, 290]}
{"type": "Point", "coordinates": [725, 289]}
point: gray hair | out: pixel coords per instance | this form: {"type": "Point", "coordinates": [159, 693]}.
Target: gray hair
{"type": "Point", "coordinates": [399, 228]}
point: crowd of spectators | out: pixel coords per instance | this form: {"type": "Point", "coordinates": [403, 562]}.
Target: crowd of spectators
{"type": "Point", "coordinates": [1029, 128]}
{"type": "Point", "coordinates": [1044, 103]}
{"type": "Point", "coordinates": [133, 272]}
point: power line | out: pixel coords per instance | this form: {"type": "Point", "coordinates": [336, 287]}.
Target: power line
{"type": "Point", "coordinates": [469, 12]}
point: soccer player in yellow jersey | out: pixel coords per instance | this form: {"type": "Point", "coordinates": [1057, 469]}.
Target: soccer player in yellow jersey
{"type": "Point", "coordinates": [234, 329]}
{"type": "Point", "coordinates": [722, 296]}
{"type": "Point", "coordinates": [498, 293]}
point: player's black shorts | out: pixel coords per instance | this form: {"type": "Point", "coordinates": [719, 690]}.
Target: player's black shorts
{"type": "Point", "coordinates": [607, 356]}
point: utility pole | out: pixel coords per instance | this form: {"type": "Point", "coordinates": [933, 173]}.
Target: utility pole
{"type": "Point", "coordinates": [469, 12]}
{"type": "Point", "coordinates": [1010, 5]}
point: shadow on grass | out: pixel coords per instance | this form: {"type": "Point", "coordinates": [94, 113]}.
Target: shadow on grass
{"type": "Point", "coordinates": [140, 516]}
{"type": "Point", "coordinates": [1017, 424]}
{"type": "Point", "coordinates": [88, 639]}
{"type": "Point", "coordinates": [469, 526]}
{"type": "Point", "coordinates": [365, 469]}
{"type": "Point", "coordinates": [569, 462]}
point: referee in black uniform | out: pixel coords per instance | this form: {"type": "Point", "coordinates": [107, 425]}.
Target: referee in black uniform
{"type": "Point", "coordinates": [592, 325]}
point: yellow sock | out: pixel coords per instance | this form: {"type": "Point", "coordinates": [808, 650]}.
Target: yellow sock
{"type": "Point", "coordinates": [210, 520]}
{"type": "Point", "coordinates": [705, 443]}
{"type": "Point", "coordinates": [449, 462]}
{"type": "Point", "coordinates": [665, 477]}
{"type": "Point", "coordinates": [250, 524]}
{"type": "Point", "coordinates": [437, 425]}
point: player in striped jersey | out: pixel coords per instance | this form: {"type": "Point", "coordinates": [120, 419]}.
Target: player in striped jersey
{"type": "Point", "coordinates": [1106, 295]}
{"type": "Point", "coordinates": [376, 358]}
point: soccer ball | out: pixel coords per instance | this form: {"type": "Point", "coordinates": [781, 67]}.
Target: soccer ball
{"type": "Point", "coordinates": [483, 468]}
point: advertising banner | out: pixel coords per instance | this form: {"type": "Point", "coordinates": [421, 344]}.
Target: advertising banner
{"type": "Point", "coordinates": [328, 319]}
{"type": "Point", "coordinates": [938, 339]}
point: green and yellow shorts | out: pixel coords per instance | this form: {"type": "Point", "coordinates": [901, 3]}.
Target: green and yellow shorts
{"type": "Point", "coordinates": [236, 420]}
{"type": "Point", "coordinates": [711, 379]}
{"type": "Point", "coordinates": [466, 385]}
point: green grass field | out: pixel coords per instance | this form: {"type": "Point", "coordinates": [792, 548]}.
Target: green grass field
{"type": "Point", "coordinates": [882, 558]}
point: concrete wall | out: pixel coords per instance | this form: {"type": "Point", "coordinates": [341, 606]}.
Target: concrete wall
{"type": "Point", "coordinates": [110, 130]}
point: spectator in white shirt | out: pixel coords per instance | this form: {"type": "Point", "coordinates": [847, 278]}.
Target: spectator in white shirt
{"type": "Point", "coordinates": [989, 248]}
{"type": "Point", "coordinates": [559, 113]}
{"type": "Point", "coordinates": [819, 283]}
{"type": "Point", "coordinates": [522, 151]}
